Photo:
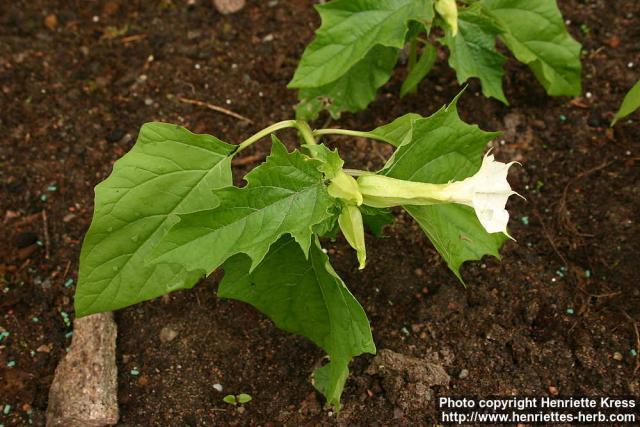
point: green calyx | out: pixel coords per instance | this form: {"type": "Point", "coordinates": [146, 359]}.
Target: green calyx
{"type": "Point", "coordinates": [345, 187]}
{"type": "Point", "coordinates": [382, 191]}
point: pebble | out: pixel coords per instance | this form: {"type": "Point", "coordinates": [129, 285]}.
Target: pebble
{"type": "Point", "coordinates": [570, 311]}
{"type": "Point", "coordinates": [240, 409]}
{"type": "Point", "coordinates": [218, 387]}
{"type": "Point", "coordinates": [11, 363]}
{"type": "Point", "coordinates": [227, 7]}
{"type": "Point", "coordinates": [6, 409]}
{"type": "Point", "coordinates": [525, 220]}
{"type": "Point", "coordinates": [115, 135]}
{"type": "Point", "coordinates": [51, 22]}
{"type": "Point", "coordinates": [463, 374]}
{"type": "Point", "coordinates": [617, 356]}
{"type": "Point", "coordinates": [553, 390]}
{"type": "Point", "coordinates": [167, 334]}
{"type": "Point", "coordinates": [65, 318]}
{"type": "Point", "coordinates": [135, 372]}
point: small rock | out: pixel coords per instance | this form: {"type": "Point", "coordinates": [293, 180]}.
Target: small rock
{"type": "Point", "coordinates": [26, 239]}
{"type": "Point", "coordinates": [167, 334]}
{"type": "Point", "coordinates": [44, 348]}
{"type": "Point", "coordinates": [463, 374]}
{"type": "Point", "coordinates": [617, 356]}
{"type": "Point", "coordinates": [218, 387]}
{"type": "Point", "coordinates": [115, 135]}
{"type": "Point", "coordinates": [51, 22]}
{"type": "Point", "coordinates": [553, 390]}
{"type": "Point", "coordinates": [226, 7]}
{"type": "Point", "coordinates": [240, 409]}
{"type": "Point", "coordinates": [110, 8]}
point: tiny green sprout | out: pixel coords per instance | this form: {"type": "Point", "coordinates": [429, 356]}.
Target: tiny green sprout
{"type": "Point", "coordinates": [231, 399]}
{"type": "Point", "coordinates": [241, 398]}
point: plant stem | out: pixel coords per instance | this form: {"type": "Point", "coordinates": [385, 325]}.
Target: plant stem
{"type": "Point", "coordinates": [413, 53]}
{"type": "Point", "coordinates": [351, 133]}
{"type": "Point", "coordinates": [266, 131]}
{"type": "Point", "coordinates": [355, 172]}
{"type": "Point", "coordinates": [306, 132]}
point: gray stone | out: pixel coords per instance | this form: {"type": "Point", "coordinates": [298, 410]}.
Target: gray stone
{"type": "Point", "coordinates": [84, 388]}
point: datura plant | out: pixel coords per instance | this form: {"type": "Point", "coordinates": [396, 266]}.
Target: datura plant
{"type": "Point", "coordinates": [169, 215]}
{"type": "Point", "coordinates": [360, 41]}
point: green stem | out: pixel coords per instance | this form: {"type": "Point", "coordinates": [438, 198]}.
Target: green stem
{"type": "Point", "coordinates": [266, 131]}
{"type": "Point", "coordinates": [306, 132]}
{"type": "Point", "coordinates": [369, 135]}
{"type": "Point", "coordinates": [356, 172]}
{"type": "Point", "coordinates": [413, 53]}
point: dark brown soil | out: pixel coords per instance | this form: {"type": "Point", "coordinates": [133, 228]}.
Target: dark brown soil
{"type": "Point", "coordinates": [557, 315]}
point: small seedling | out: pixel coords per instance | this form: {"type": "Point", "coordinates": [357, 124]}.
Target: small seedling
{"type": "Point", "coordinates": [241, 398]}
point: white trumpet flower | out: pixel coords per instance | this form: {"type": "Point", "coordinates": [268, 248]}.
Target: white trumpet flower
{"type": "Point", "coordinates": [486, 192]}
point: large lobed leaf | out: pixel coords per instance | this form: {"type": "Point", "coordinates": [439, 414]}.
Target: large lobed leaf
{"type": "Point", "coordinates": [439, 149]}
{"type": "Point", "coordinates": [535, 32]}
{"type": "Point", "coordinates": [354, 52]}
{"type": "Point", "coordinates": [354, 90]}
{"type": "Point", "coordinates": [168, 171]}
{"type": "Point", "coordinates": [473, 51]}
{"type": "Point", "coordinates": [284, 195]}
{"type": "Point", "coordinates": [306, 298]}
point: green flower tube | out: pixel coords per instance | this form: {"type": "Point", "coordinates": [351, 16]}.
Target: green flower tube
{"type": "Point", "coordinates": [486, 192]}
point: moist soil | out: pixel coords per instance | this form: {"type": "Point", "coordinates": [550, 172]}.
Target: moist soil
{"type": "Point", "coordinates": [557, 316]}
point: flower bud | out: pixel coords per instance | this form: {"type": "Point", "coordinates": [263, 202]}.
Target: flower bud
{"type": "Point", "coordinates": [350, 221]}
{"type": "Point", "coordinates": [449, 12]}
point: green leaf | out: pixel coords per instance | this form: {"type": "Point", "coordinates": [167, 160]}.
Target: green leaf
{"type": "Point", "coordinates": [398, 131]}
{"type": "Point", "coordinates": [473, 52]}
{"type": "Point", "coordinates": [331, 161]}
{"type": "Point", "coordinates": [353, 53]}
{"type": "Point", "coordinates": [443, 148]}
{"type": "Point", "coordinates": [630, 103]}
{"type": "Point", "coordinates": [420, 70]}
{"type": "Point", "coordinates": [168, 171]}
{"type": "Point", "coordinates": [284, 195]}
{"type": "Point", "coordinates": [230, 398]}
{"type": "Point", "coordinates": [244, 398]}
{"type": "Point", "coordinates": [376, 219]}
{"type": "Point", "coordinates": [306, 298]}
{"type": "Point", "coordinates": [352, 91]}
{"type": "Point", "coordinates": [349, 30]}
{"type": "Point", "coordinates": [535, 32]}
